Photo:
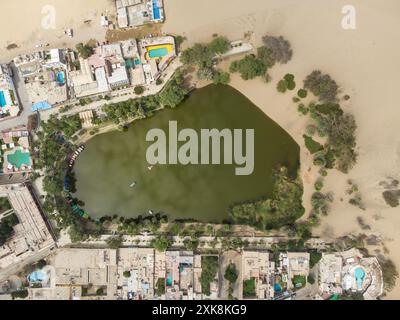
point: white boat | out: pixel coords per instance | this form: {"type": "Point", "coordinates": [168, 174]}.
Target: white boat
{"type": "Point", "coordinates": [150, 168]}
{"type": "Point", "coordinates": [133, 184]}
{"type": "Point", "coordinates": [151, 212]}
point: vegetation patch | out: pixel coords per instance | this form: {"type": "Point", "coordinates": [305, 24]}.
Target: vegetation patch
{"type": "Point", "coordinates": [249, 67]}
{"type": "Point", "coordinates": [339, 128]}
{"type": "Point", "coordinates": [249, 288]}
{"type": "Point", "coordinates": [160, 287]}
{"type": "Point", "coordinates": [299, 281]}
{"type": "Point", "coordinates": [391, 197]}
{"type": "Point", "coordinates": [312, 145]}
{"type": "Point", "coordinates": [231, 275]}
{"type": "Point", "coordinates": [209, 266]}
{"type": "Point", "coordinates": [4, 204]}
{"type": "Point", "coordinates": [6, 227]}
{"type": "Point", "coordinates": [284, 207]}
{"type": "Point", "coordinates": [302, 93]}
{"type": "Point", "coordinates": [322, 86]}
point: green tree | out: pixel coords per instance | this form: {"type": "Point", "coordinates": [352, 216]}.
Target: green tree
{"type": "Point", "coordinates": [249, 67]}
{"type": "Point", "coordinates": [282, 86]}
{"type": "Point", "coordinates": [231, 273]}
{"type": "Point", "coordinates": [84, 50]}
{"type": "Point", "coordinates": [221, 77]}
{"type": "Point", "coordinates": [138, 90]}
{"type": "Point", "coordinates": [219, 45]}
{"type": "Point", "coordinates": [162, 243]}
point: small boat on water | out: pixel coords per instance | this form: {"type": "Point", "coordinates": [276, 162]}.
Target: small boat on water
{"type": "Point", "coordinates": [150, 168]}
{"type": "Point", "coordinates": [151, 212]}
{"type": "Point", "coordinates": [133, 184]}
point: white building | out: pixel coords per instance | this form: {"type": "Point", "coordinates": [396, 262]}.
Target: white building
{"type": "Point", "coordinates": [8, 96]}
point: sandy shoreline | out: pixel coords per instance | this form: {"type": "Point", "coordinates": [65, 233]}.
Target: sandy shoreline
{"type": "Point", "coordinates": [364, 62]}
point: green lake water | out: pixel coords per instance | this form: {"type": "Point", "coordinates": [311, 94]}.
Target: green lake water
{"type": "Point", "coordinates": [112, 161]}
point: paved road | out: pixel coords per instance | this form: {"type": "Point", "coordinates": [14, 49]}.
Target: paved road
{"type": "Point", "coordinates": [24, 100]}
{"type": "Point", "coordinates": [13, 269]}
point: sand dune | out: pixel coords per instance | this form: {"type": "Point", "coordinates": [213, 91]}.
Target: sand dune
{"type": "Point", "coordinates": [363, 61]}
{"type": "Point", "coordinates": [25, 28]}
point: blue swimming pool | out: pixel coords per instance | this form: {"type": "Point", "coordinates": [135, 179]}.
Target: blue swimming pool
{"type": "Point", "coordinates": [359, 273]}
{"type": "Point", "coordinates": [277, 288]}
{"type": "Point", "coordinates": [169, 280]}
{"type": "Point", "coordinates": [156, 11]}
{"type": "Point", "coordinates": [157, 53]}
{"type": "Point", "coordinates": [60, 77]}
{"type": "Point", "coordinates": [37, 276]}
{"type": "Point", "coordinates": [2, 99]}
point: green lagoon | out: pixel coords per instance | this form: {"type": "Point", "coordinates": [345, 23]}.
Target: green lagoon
{"type": "Point", "coordinates": [111, 163]}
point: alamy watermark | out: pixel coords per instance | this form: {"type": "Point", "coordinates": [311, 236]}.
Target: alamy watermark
{"type": "Point", "coordinates": [238, 148]}
{"type": "Point", "coordinates": [349, 20]}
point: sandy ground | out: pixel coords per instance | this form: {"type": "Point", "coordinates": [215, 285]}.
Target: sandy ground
{"type": "Point", "coordinates": [26, 30]}
{"type": "Point", "coordinates": [363, 61]}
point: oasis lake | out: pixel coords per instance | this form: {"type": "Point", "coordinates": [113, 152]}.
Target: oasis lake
{"type": "Point", "coordinates": [113, 162]}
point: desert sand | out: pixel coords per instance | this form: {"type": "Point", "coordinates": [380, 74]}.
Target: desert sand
{"type": "Point", "coordinates": [364, 62]}
{"type": "Point", "coordinates": [24, 26]}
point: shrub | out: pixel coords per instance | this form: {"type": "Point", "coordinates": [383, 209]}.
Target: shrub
{"type": "Point", "coordinates": [322, 86]}
{"type": "Point", "coordinates": [282, 86]}
{"type": "Point", "coordinates": [21, 294]}
{"type": "Point", "coordinates": [302, 93]}
{"type": "Point", "coordinates": [302, 109]}
{"type": "Point", "coordinates": [279, 49]}
{"type": "Point", "coordinates": [291, 85]}
{"type": "Point", "coordinates": [138, 90]}
{"type": "Point", "coordinates": [221, 77]}
{"type": "Point", "coordinates": [249, 67]}
{"type": "Point", "coordinates": [319, 184]}
{"type": "Point", "coordinates": [312, 145]}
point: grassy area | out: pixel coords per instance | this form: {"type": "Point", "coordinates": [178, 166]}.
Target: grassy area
{"type": "Point", "coordinates": [299, 281]}
{"type": "Point", "coordinates": [249, 288]}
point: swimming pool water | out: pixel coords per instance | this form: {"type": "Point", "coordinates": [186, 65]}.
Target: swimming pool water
{"type": "Point", "coordinates": [2, 99]}
{"type": "Point", "coordinates": [37, 276]}
{"type": "Point", "coordinates": [156, 11]}
{"type": "Point", "coordinates": [277, 287]}
{"type": "Point", "coordinates": [60, 78]}
{"type": "Point", "coordinates": [169, 280]}
{"type": "Point", "coordinates": [19, 158]}
{"type": "Point", "coordinates": [359, 273]}
{"type": "Point", "coordinates": [156, 53]}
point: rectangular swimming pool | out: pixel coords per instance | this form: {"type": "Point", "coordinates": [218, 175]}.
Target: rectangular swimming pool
{"type": "Point", "coordinates": [2, 99]}
{"type": "Point", "coordinates": [156, 11]}
{"type": "Point", "coordinates": [157, 53]}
